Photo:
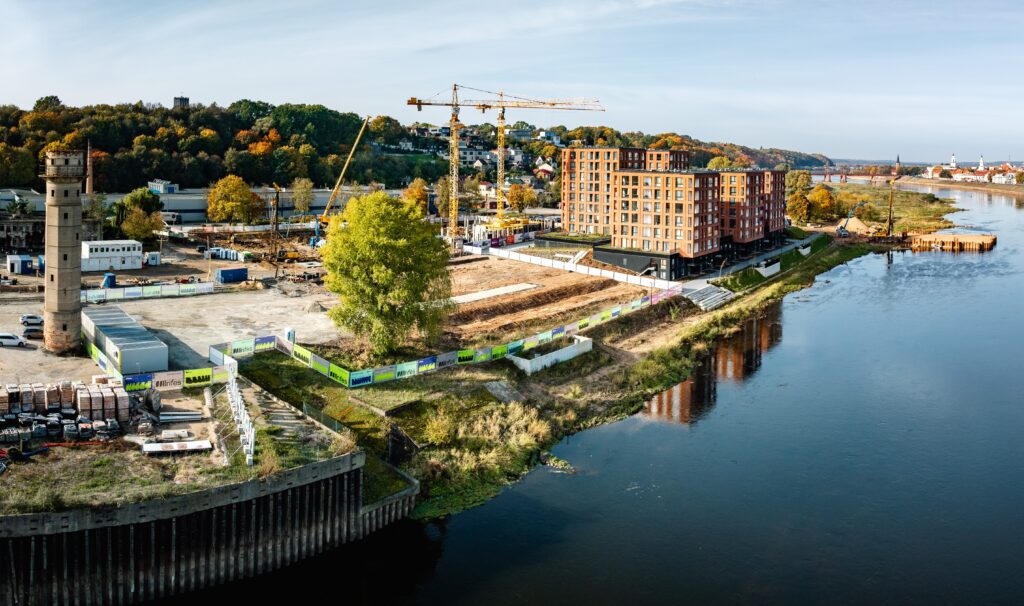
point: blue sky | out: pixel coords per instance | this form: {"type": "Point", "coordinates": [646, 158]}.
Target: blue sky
{"type": "Point", "coordinates": [851, 79]}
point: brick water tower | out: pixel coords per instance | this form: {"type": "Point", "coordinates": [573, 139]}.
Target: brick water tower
{"type": "Point", "coordinates": [62, 307]}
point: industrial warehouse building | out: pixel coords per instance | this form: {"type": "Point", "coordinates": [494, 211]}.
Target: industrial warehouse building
{"type": "Point", "coordinates": [128, 345]}
{"type": "Point", "coordinates": [664, 218]}
{"type": "Point", "coordinates": [106, 255]}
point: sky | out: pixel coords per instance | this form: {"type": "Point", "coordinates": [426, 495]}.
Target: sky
{"type": "Point", "coordinates": [850, 79]}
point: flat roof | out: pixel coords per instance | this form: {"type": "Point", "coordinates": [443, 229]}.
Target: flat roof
{"type": "Point", "coordinates": [121, 329]}
{"type": "Point", "coordinates": [111, 242]}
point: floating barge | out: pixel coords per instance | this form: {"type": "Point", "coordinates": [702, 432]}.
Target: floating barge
{"type": "Point", "coordinates": [954, 242]}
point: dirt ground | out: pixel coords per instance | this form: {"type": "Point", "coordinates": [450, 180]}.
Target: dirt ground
{"type": "Point", "coordinates": [558, 292]}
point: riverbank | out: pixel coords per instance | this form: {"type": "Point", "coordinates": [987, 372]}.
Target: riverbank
{"type": "Point", "coordinates": [913, 212]}
{"type": "Point", "coordinates": [995, 188]}
{"type": "Point", "coordinates": [475, 442]}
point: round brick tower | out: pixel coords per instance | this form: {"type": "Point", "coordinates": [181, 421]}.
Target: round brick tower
{"type": "Point", "coordinates": [63, 171]}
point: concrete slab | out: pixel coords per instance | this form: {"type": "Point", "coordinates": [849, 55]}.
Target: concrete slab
{"type": "Point", "coordinates": [492, 292]}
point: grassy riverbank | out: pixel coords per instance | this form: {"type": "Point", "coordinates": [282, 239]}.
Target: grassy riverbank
{"type": "Point", "coordinates": [914, 212]}
{"type": "Point", "coordinates": [474, 444]}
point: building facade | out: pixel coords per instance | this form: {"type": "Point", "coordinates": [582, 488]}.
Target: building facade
{"type": "Point", "coordinates": [662, 215]}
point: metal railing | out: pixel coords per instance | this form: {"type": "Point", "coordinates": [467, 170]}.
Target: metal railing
{"type": "Point", "coordinates": [243, 422]}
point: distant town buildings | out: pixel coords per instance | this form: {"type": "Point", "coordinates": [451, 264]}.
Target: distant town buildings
{"type": "Point", "coordinates": [1005, 174]}
{"type": "Point", "coordinates": [162, 186]}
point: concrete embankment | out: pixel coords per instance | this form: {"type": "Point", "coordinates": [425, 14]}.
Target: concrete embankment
{"type": "Point", "coordinates": [160, 548]}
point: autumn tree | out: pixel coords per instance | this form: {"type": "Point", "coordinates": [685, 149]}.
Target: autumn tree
{"type": "Point", "coordinates": [719, 163]}
{"type": "Point", "coordinates": [798, 207]}
{"type": "Point", "coordinates": [389, 270]}
{"type": "Point", "coordinates": [140, 226]}
{"type": "Point", "coordinates": [230, 199]}
{"type": "Point", "coordinates": [945, 174]}
{"type": "Point", "coordinates": [17, 166]}
{"type": "Point", "coordinates": [441, 194]}
{"type": "Point", "coordinates": [1020, 178]}
{"type": "Point", "coordinates": [520, 198]}
{"type": "Point", "coordinates": [417, 193]}
{"type": "Point", "coordinates": [302, 194]}
{"type": "Point", "coordinates": [823, 203]}
{"type": "Point", "coordinates": [798, 181]}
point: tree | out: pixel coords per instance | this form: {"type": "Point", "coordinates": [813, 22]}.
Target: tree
{"type": "Point", "coordinates": [302, 194]}
{"type": "Point", "coordinates": [520, 198]}
{"type": "Point", "coordinates": [19, 208]}
{"type": "Point", "coordinates": [230, 199]}
{"type": "Point", "coordinates": [140, 226]}
{"type": "Point", "coordinates": [386, 129]}
{"type": "Point", "coordinates": [782, 166]}
{"type": "Point", "coordinates": [1020, 178]}
{"type": "Point", "coordinates": [417, 193]}
{"type": "Point", "coordinates": [719, 163]}
{"type": "Point", "coordinates": [140, 198]}
{"type": "Point", "coordinates": [798, 207]}
{"type": "Point", "coordinates": [17, 165]}
{"type": "Point", "coordinates": [441, 193]}
{"type": "Point", "coordinates": [49, 103]}
{"type": "Point", "coordinates": [389, 270]}
{"type": "Point", "coordinates": [96, 210]}
{"type": "Point", "coordinates": [823, 203]}
{"type": "Point", "coordinates": [798, 181]}
{"type": "Point", "coordinates": [945, 174]}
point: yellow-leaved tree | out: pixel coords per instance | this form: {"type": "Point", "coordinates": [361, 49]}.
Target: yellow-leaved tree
{"type": "Point", "coordinates": [230, 199]}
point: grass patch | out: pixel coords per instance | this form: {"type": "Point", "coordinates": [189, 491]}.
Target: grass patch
{"type": "Point", "coordinates": [796, 233]}
{"type": "Point", "coordinates": [913, 212]}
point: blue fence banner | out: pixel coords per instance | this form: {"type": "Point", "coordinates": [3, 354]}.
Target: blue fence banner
{"type": "Point", "coordinates": [428, 364]}
{"type": "Point", "coordinates": [138, 382]}
{"type": "Point", "coordinates": [264, 343]}
{"type": "Point", "coordinates": [360, 378]}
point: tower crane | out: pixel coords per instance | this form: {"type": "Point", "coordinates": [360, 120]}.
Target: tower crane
{"type": "Point", "coordinates": [501, 102]}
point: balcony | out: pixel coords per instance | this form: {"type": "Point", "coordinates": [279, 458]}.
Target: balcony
{"type": "Point", "coordinates": [62, 170]}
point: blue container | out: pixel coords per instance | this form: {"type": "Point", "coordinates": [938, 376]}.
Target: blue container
{"type": "Point", "coordinates": [109, 281]}
{"type": "Point", "coordinates": [229, 275]}
{"type": "Point", "coordinates": [41, 262]}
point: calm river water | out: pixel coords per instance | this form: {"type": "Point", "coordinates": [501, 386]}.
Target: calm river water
{"type": "Point", "coordinates": [862, 443]}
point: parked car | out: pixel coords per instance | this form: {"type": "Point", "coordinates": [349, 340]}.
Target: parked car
{"type": "Point", "coordinates": [11, 281]}
{"type": "Point", "coordinates": [11, 340]}
{"type": "Point", "coordinates": [201, 248]}
{"type": "Point", "coordinates": [33, 332]}
{"type": "Point", "coordinates": [31, 320]}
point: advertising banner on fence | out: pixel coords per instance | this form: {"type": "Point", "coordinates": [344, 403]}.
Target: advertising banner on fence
{"type": "Point", "coordinates": [544, 337]}
{"type": "Point", "coordinates": [466, 356]}
{"type": "Point", "coordinates": [447, 359]}
{"type": "Point", "coordinates": [515, 347]}
{"type": "Point", "coordinates": [319, 364]}
{"type": "Point", "coordinates": [204, 288]}
{"type": "Point", "coordinates": [187, 289]}
{"type": "Point", "coordinates": [133, 292]}
{"type": "Point", "coordinates": [301, 354]}
{"type": "Point", "coordinates": [219, 374]}
{"type": "Point", "coordinates": [168, 290]}
{"type": "Point", "coordinates": [115, 294]}
{"type": "Point", "coordinates": [384, 373]}
{"type": "Point", "coordinates": [426, 365]}
{"type": "Point", "coordinates": [264, 343]}
{"type": "Point", "coordinates": [243, 347]}
{"type": "Point", "coordinates": [283, 345]}
{"type": "Point", "coordinates": [138, 382]}
{"type": "Point", "coordinates": [217, 353]}
{"type": "Point", "coordinates": [168, 380]}
{"type": "Point", "coordinates": [339, 374]}
{"type": "Point", "coordinates": [529, 343]}
{"type": "Point", "coordinates": [360, 377]}
{"type": "Point", "coordinates": [498, 352]}
{"type": "Point", "coordinates": [482, 355]}
{"type": "Point", "coordinates": [200, 377]}
{"type": "Point", "coordinates": [409, 369]}
{"type": "Point", "coordinates": [150, 291]}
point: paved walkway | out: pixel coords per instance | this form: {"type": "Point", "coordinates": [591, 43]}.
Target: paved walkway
{"type": "Point", "coordinates": [700, 283]}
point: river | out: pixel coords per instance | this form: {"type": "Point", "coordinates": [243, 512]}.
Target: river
{"type": "Point", "coordinates": [861, 443]}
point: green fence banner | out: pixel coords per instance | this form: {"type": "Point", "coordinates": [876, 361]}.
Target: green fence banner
{"type": "Point", "coordinates": [339, 374]}
{"type": "Point", "coordinates": [301, 354]}
{"type": "Point", "coordinates": [199, 377]}
{"type": "Point", "coordinates": [466, 356]}
{"type": "Point", "coordinates": [499, 352]}
{"type": "Point", "coordinates": [482, 355]}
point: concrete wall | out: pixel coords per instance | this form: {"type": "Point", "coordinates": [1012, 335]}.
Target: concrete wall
{"type": "Point", "coordinates": [164, 547]}
{"type": "Point", "coordinates": [581, 346]}
{"type": "Point", "coordinates": [769, 270]}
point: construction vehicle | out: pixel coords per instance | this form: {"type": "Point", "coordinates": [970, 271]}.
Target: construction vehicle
{"type": "Point", "coordinates": [841, 231]}
{"type": "Point", "coordinates": [500, 103]}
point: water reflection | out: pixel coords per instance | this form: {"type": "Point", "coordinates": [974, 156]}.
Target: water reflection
{"type": "Point", "coordinates": [735, 358]}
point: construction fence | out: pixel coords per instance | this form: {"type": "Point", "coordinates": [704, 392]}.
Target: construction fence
{"type": "Point", "coordinates": [98, 295]}
{"type": "Point", "coordinates": [392, 372]}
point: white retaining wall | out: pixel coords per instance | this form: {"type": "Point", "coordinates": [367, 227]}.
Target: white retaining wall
{"type": "Point", "coordinates": [581, 346]}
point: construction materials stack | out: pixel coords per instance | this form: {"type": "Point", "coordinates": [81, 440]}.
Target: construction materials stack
{"type": "Point", "coordinates": [103, 403]}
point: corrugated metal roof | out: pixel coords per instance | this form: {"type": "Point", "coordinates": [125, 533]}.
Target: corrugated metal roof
{"type": "Point", "coordinates": [121, 329]}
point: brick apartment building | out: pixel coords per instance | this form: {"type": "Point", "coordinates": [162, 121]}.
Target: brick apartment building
{"type": "Point", "coordinates": [660, 214]}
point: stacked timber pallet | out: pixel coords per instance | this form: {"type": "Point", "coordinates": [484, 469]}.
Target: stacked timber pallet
{"type": "Point", "coordinates": [36, 398]}
{"type": "Point", "coordinates": [103, 402]}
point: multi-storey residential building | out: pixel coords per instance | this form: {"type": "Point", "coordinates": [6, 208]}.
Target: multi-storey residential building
{"type": "Point", "coordinates": [658, 214]}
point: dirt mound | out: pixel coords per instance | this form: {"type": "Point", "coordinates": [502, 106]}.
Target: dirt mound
{"type": "Point", "coordinates": [491, 308]}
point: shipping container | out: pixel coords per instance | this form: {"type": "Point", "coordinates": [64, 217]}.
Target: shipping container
{"type": "Point", "coordinates": [228, 275]}
{"type": "Point", "coordinates": [131, 348]}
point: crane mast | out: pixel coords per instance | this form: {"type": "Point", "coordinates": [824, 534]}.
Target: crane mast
{"type": "Point", "coordinates": [453, 172]}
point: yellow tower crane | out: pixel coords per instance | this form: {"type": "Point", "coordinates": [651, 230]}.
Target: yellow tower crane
{"type": "Point", "coordinates": [500, 103]}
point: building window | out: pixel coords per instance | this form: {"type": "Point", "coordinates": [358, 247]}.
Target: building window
{"type": "Point", "coordinates": [65, 327]}
{"type": "Point", "coordinates": [65, 256]}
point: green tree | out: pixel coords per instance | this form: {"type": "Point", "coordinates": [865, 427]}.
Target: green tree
{"type": "Point", "coordinates": [96, 210]}
{"type": "Point", "coordinates": [945, 174]}
{"type": "Point", "coordinates": [389, 271]}
{"type": "Point", "coordinates": [798, 181]}
{"type": "Point", "coordinates": [1020, 178]}
{"type": "Point", "coordinates": [137, 198]}
{"type": "Point", "coordinates": [19, 208]}
{"type": "Point", "coordinates": [798, 207]}
{"type": "Point", "coordinates": [49, 103]}
{"type": "Point", "coordinates": [720, 163]}
{"type": "Point", "coordinates": [823, 203]}
{"type": "Point", "coordinates": [17, 165]}
{"type": "Point", "coordinates": [417, 193]}
{"type": "Point", "coordinates": [302, 194]}
{"type": "Point", "coordinates": [230, 199]}
{"type": "Point", "coordinates": [441, 193]}
{"type": "Point", "coordinates": [387, 130]}
{"type": "Point", "coordinates": [782, 166]}
{"type": "Point", "coordinates": [140, 226]}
